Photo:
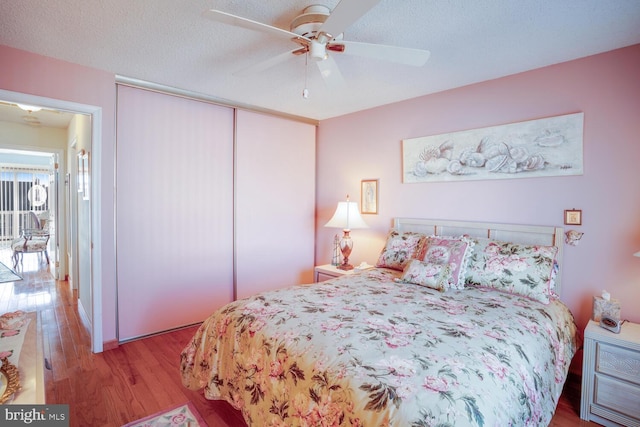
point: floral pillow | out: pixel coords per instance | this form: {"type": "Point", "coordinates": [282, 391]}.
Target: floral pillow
{"type": "Point", "coordinates": [451, 251]}
{"type": "Point", "coordinates": [434, 276]}
{"type": "Point", "coordinates": [401, 247]}
{"type": "Point", "coordinates": [554, 277]}
{"type": "Point", "coordinates": [525, 270]}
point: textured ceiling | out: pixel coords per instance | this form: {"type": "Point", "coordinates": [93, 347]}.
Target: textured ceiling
{"type": "Point", "coordinates": [168, 42]}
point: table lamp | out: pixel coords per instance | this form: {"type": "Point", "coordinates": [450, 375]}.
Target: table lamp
{"type": "Point", "coordinates": [347, 217]}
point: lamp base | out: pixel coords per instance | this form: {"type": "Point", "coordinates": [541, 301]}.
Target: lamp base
{"type": "Point", "coordinates": [345, 266]}
{"type": "Point", "coordinates": [346, 244]}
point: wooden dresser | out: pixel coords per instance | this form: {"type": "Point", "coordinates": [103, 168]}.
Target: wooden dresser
{"type": "Point", "coordinates": [611, 375]}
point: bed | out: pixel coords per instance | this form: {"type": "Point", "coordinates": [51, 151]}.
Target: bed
{"type": "Point", "coordinates": [439, 333]}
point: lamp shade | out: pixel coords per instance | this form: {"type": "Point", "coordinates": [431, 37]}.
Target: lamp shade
{"type": "Point", "coordinates": [347, 217]}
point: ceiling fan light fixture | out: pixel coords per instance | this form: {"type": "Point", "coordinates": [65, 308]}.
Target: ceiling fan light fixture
{"type": "Point", "coordinates": [323, 37]}
{"type": "Point", "coordinates": [317, 51]}
{"type": "Point", "coordinates": [29, 108]}
{"type": "Point", "coordinates": [318, 30]}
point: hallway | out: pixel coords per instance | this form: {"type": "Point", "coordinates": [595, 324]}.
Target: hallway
{"type": "Point", "coordinates": [37, 290]}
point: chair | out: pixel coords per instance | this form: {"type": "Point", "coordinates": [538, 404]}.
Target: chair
{"type": "Point", "coordinates": [34, 239]}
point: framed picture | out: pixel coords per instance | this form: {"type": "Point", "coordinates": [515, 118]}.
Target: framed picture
{"type": "Point", "coordinates": [549, 146]}
{"type": "Point", "coordinates": [85, 176]}
{"type": "Point", "coordinates": [573, 217]}
{"type": "Point", "coordinates": [80, 177]}
{"type": "Point", "coordinates": [369, 196]}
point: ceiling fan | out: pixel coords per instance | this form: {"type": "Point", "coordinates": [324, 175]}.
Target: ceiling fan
{"type": "Point", "coordinates": [318, 32]}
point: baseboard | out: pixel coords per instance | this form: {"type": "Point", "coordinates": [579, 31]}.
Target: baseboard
{"type": "Point", "coordinates": [110, 345]}
{"type": "Point", "coordinates": [166, 331]}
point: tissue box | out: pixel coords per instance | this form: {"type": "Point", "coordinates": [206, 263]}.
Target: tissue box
{"type": "Point", "coordinates": [602, 307]}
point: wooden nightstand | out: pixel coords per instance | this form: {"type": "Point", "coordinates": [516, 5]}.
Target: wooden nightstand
{"type": "Point", "coordinates": [611, 375]}
{"type": "Point", "coordinates": [328, 271]}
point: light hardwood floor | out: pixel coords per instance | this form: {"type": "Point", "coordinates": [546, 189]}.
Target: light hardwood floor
{"type": "Point", "coordinates": [138, 378]}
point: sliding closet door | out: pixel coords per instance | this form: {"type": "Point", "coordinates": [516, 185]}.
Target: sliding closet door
{"type": "Point", "coordinates": [174, 210]}
{"type": "Point", "coordinates": [275, 202]}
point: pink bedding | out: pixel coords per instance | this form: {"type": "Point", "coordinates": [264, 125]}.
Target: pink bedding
{"type": "Point", "coordinates": [366, 350]}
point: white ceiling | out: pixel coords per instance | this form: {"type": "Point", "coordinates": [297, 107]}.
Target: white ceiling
{"type": "Point", "coordinates": [168, 42]}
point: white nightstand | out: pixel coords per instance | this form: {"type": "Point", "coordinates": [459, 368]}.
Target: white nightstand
{"type": "Point", "coordinates": [328, 271]}
{"type": "Point", "coordinates": [611, 375]}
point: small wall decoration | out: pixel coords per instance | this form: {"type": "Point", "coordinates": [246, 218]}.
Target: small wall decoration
{"type": "Point", "coordinates": [573, 217]}
{"type": "Point", "coordinates": [369, 196]}
{"type": "Point", "coordinates": [535, 148]}
{"type": "Point", "coordinates": [572, 237]}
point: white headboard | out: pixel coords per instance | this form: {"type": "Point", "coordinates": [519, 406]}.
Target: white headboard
{"type": "Point", "coordinates": [528, 234]}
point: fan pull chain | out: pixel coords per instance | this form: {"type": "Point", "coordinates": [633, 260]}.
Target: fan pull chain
{"type": "Point", "coordinates": [305, 91]}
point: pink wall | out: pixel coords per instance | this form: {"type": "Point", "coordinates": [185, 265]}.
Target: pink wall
{"type": "Point", "coordinates": [605, 87]}
{"type": "Point", "coordinates": [51, 78]}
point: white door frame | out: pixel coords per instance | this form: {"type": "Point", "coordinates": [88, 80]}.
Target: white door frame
{"type": "Point", "coordinates": [96, 173]}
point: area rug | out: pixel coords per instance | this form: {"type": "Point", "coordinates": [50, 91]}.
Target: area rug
{"type": "Point", "coordinates": [7, 274]}
{"type": "Point", "coordinates": [184, 415]}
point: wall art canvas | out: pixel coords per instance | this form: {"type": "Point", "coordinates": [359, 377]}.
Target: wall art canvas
{"type": "Point", "coordinates": [535, 148]}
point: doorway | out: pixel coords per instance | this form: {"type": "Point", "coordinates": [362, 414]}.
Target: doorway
{"type": "Point", "coordinates": [28, 198]}
{"type": "Point", "coordinates": [88, 258]}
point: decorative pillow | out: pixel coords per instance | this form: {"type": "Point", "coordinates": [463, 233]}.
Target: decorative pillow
{"type": "Point", "coordinates": [525, 270]}
{"type": "Point", "coordinates": [434, 276]}
{"type": "Point", "coordinates": [401, 247]}
{"type": "Point", "coordinates": [552, 281]}
{"type": "Point", "coordinates": [452, 251]}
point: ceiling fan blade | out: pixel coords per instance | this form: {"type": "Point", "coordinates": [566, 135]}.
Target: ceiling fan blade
{"type": "Point", "coordinates": [331, 73]}
{"type": "Point", "coordinates": [346, 13]}
{"type": "Point", "coordinates": [238, 21]}
{"type": "Point", "coordinates": [400, 55]}
{"type": "Point", "coordinates": [271, 62]}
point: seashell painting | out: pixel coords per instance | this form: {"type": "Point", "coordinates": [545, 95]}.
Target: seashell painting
{"type": "Point", "coordinates": [550, 146]}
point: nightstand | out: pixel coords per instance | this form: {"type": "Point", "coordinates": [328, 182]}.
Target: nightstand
{"type": "Point", "coordinates": [611, 375]}
{"type": "Point", "coordinates": [328, 271]}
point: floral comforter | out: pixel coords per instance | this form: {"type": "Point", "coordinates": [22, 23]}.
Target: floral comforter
{"type": "Point", "coordinates": [365, 350]}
